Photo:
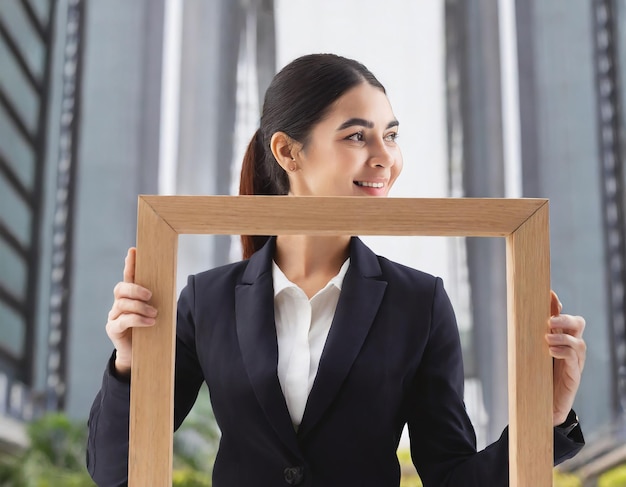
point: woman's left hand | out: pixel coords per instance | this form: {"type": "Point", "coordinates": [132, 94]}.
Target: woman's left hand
{"type": "Point", "coordinates": [568, 348]}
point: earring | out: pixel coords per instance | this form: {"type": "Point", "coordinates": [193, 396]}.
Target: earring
{"type": "Point", "coordinates": [292, 167]}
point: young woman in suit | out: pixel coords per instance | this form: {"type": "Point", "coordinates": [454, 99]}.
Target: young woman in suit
{"type": "Point", "coordinates": [316, 351]}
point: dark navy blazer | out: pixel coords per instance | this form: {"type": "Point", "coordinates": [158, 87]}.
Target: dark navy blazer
{"type": "Point", "coordinates": [392, 357]}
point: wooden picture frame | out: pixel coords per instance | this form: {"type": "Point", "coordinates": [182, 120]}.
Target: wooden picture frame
{"type": "Point", "coordinates": [523, 222]}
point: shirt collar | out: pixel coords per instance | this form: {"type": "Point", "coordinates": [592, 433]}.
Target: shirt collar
{"type": "Point", "coordinates": [281, 282]}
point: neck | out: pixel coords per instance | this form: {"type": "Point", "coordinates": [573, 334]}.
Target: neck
{"type": "Point", "coordinates": [304, 258]}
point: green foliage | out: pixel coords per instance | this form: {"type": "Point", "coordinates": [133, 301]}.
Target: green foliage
{"type": "Point", "coordinates": [615, 477]}
{"type": "Point", "coordinates": [562, 479]}
{"type": "Point", "coordinates": [410, 481]}
{"type": "Point", "coordinates": [55, 457]}
{"type": "Point", "coordinates": [56, 454]}
{"type": "Point", "coordinates": [409, 478]}
{"type": "Point", "coordinates": [190, 478]}
{"type": "Point", "coordinates": [195, 445]}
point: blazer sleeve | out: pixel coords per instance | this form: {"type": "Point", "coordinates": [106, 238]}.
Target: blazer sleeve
{"type": "Point", "coordinates": [443, 442]}
{"type": "Point", "coordinates": [107, 444]}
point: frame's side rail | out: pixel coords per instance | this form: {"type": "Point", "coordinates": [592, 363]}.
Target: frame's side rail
{"type": "Point", "coordinates": [530, 366]}
{"type": "Point", "coordinates": [152, 375]}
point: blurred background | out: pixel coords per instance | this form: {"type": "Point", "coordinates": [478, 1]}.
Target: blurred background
{"type": "Point", "coordinates": [102, 100]}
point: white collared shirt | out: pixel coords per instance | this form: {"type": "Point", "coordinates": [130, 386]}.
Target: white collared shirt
{"type": "Point", "coordinates": [302, 326]}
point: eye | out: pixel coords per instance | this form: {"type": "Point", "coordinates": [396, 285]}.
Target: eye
{"type": "Point", "coordinates": [392, 137]}
{"type": "Point", "coordinates": [357, 137]}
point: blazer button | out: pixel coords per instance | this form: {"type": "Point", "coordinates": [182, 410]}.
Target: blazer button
{"type": "Point", "coordinates": [294, 475]}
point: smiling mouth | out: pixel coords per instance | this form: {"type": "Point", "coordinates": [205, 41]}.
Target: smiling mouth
{"type": "Point", "coordinates": [367, 184]}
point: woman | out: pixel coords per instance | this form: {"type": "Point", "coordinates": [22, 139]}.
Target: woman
{"type": "Point", "coordinates": [316, 351]}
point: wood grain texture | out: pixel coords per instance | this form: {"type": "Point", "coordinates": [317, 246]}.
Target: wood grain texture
{"type": "Point", "coordinates": [275, 215]}
{"type": "Point", "coordinates": [524, 223]}
{"type": "Point", "coordinates": [152, 373]}
{"type": "Point", "coordinates": [529, 363]}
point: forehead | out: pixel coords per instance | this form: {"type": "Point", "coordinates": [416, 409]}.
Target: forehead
{"type": "Point", "coordinates": [362, 101]}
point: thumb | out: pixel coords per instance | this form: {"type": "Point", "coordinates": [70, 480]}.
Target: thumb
{"type": "Point", "coordinates": [129, 265]}
{"type": "Point", "coordinates": [555, 304]}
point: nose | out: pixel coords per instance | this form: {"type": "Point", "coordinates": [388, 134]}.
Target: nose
{"type": "Point", "coordinates": [381, 156]}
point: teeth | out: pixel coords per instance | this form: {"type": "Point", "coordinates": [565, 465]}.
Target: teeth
{"type": "Point", "coordinates": [369, 185]}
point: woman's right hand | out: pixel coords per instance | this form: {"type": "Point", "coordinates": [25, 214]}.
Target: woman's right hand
{"type": "Point", "coordinates": [130, 309]}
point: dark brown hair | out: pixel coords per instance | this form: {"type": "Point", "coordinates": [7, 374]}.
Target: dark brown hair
{"type": "Point", "coordinates": [297, 99]}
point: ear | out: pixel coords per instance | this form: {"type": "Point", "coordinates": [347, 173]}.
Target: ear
{"type": "Point", "coordinates": [284, 149]}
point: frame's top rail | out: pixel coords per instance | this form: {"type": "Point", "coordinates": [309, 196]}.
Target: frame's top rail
{"type": "Point", "coordinates": [275, 215]}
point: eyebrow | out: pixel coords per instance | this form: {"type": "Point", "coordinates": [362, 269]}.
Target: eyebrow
{"type": "Point", "coordinates": [364, 123]}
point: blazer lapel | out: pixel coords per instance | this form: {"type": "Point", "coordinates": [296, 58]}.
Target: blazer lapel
{"type": "Point", "coordinates": [256, 332]}
{"type": "Point", "coordinates": [360, 298]}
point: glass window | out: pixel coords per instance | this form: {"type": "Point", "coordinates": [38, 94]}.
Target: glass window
{"type": "Point", "coordinates": [15, 151]}
{"type": "Point", "coordinates": [14, 214]}
{"type": "Point", "coordinates": [12, 331]}
{"type": "Point", "coordinates": [13, 271]}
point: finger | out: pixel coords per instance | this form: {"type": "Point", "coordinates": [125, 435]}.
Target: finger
{"type": "Point", "coordinates": [564, 353]}
{"type": "Point", "coordinates": [131, 306]}
{"type": "Point", "coordinates": [131, 291]}
{"type": "Point", "coordinates": [129, 265]}
{"type": "Point", "coordinates": [567, 347]}
{"type": "Point", "coordinates": [120, 325]}
{"type": "Point", "coordinates": [555, 304]}
{"type": "Point", "coordinates": [563, 339]}
{"type": "Point", "coordinates": [572, 325]}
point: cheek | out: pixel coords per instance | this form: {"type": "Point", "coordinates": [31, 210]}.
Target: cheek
{"type": "Point", "coordinates": [397, 167]}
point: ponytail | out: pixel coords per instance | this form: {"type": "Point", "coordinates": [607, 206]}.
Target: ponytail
{"type": "Point", "coordinates": [254, 181]}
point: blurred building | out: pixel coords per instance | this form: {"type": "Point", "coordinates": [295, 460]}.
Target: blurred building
{"type": "Point", "coordinates": [99, 102]}
{"type": "Point", "coordinates": [536, 104]}
{"type": "Point", "coordinates": [102, 100]}
{"type": "Point", "coordinates": [26, 88]}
